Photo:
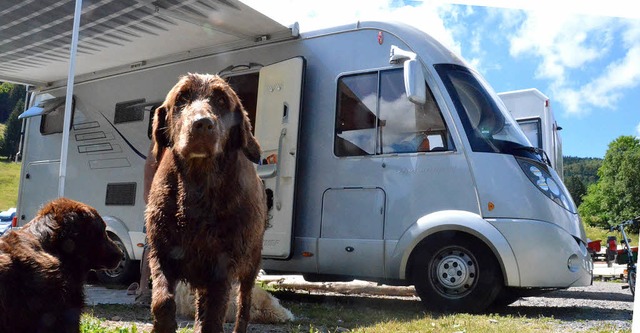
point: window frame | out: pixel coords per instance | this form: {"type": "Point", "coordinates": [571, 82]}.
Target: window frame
{"type": "Point", "coordinates": [447, 140]}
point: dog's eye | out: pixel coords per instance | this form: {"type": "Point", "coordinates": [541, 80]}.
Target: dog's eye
{"type": "Point", "coordinates": [220, 101]}
{"type": "Point", "coordinates": [182, 99]}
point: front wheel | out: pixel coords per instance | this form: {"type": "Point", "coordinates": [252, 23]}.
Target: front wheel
{"type": "Point", "coordinates": [456, 272]}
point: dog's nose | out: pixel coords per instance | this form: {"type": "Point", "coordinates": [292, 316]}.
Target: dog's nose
{"type": "Point", "coordinates": [203, 125]}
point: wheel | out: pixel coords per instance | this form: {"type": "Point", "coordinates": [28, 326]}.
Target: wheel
{"type": "Point", "coordinates": [455, 272]}
{"type": "Point", "coordinates": [125, 271]}
{"type": "Point", "coordinates": [505, 298]}
{"type": "Point", "coordinates": [632, 280]}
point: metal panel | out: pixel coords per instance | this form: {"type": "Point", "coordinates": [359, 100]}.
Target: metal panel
{"type": "Point", "coordinates": [353, 213]}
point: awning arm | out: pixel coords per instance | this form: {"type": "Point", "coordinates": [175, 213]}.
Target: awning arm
{"type": "Point", "coordinates": [69, 99]}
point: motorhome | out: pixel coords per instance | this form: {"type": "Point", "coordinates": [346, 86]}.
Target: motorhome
{"type": "Point", "coordinates": [386, 156]}
{"type": "Point", "coordinates": [532, 110]}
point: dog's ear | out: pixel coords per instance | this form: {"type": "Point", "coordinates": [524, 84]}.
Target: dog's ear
{"type": "Point", "coordinates": [45, 228]}
{"type": "Point", "coordinates": [159, 135]}
{"type": "Point", "coordinates": [246, 141]}
{"type": "Point", "coordinates": [250, 145]}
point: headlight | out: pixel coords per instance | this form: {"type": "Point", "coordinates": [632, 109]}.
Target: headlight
{"type": "Point", "coordinates": [547, 182]}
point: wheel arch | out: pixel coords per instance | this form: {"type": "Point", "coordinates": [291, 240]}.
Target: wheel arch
{"type": "Point", "coordinates": [455, 221]}
{"type": "Point", "coordinates": [117, 227]}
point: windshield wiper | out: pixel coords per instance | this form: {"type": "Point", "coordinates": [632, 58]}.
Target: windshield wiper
{"type": "Point", "coordinates": [539, 151]}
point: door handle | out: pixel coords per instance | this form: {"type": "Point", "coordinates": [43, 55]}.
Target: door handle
{"type": "Point", "coordinates": [277, 197]}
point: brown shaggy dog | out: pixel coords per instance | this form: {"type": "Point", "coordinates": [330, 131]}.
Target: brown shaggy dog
{"type": "Point", "coordinates": [44, 265]}
{"type": "Point", "coordinates": [206, 212]}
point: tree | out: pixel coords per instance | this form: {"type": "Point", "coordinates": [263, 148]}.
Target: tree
{"type": "Point", "coordinates": [576, 188]}
{"type": "Point", "coordinates": [10, 94]}
{"type": "Point", "coordinates": [11, 140]}
{"type": "Point", "coordinates": [616, 195]}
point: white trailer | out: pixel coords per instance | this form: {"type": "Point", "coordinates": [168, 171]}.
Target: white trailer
{"type": "Point", "coordinates": [387, 158]}
{"type": "Point", "coordinates": [532, 111]}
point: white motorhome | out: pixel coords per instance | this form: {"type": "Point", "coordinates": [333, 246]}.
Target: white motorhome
{"type": "Point", "coordinates": [386, 157]}
{"type": "Point", "coordinates": [532, 111]}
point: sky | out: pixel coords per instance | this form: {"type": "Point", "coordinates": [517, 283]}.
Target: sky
{"type": "Point", "coordinates": [584, 55]}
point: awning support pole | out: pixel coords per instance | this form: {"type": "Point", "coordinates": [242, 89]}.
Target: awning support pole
{"type": "Point", "coordinates": [69, 98]}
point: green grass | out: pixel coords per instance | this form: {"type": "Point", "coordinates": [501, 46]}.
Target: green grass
{"type": "Point", "coordinates": [596, 233]}
{"type": "Point", "coordinates": [9, 181]}
{"type": "Point", "coordinates": [331, 314]}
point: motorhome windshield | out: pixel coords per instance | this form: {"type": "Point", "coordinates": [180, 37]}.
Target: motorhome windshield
{"type": "Point", "coordinates": [488, 125]}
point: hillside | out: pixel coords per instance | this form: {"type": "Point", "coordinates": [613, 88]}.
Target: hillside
{"type": "Point", "coordinates": [585, 168]}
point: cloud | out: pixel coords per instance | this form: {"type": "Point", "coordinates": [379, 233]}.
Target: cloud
{"type": "Point", "coordinates": [314, 15]}
{"type": "Point", "coordinates": [568, 45]}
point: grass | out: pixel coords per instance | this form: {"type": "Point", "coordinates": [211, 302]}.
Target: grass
{"type": "Point", "coordinates": [333, 318]}
{"type": "Point", "coordinates": [596, 233]}
{"type": "Point", "coordinates": [9, 181]}
{"type": "Point", "coordinates": [332, 314]}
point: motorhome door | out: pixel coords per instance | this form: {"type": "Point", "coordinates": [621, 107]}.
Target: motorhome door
{"type": "Point", "coordinates": [277, 115]}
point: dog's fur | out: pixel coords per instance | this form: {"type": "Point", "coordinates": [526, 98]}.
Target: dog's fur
{"type": "Point", "coordinates": [206, 213]}
{"type": "Point", "coordinates": [265, 309]}
{"type": "Point", "coordinates": [43, 267]}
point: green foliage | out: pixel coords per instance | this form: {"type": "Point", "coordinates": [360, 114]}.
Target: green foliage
{"type": "Point", "coordinates": [10, 94]}
{"type": "Point", "coordinates": [615, 196]}
{"type": "Point", "coordinates": [585, 169]}
{"type": "Point", "coordinates": [576, 188]}
{"type": "Point", "coordinates": [9, 181]}
{"type": "Point", "coordinates": [11, 137]}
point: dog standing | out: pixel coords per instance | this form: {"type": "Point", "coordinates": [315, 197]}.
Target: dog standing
{"type": "Point", "coordinates": [44, 265]}
{"type": "Point", "coordinates": [206, 213]}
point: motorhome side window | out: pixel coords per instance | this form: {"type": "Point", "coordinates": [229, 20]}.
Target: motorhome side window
{"type": "Point", "coordinates": [374, 116]}
{"type": "Point", "coordinates": [53, 115]}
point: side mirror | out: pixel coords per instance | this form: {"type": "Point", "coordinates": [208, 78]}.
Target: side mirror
{"type": "Point", "coordinates": [414, 82]}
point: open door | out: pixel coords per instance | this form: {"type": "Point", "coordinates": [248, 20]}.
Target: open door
{"type": "Point", "coordinates": [277, 122]}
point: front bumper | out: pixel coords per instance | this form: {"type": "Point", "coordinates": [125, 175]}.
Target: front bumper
{"type": "Point", "coordinates": [547, 256]}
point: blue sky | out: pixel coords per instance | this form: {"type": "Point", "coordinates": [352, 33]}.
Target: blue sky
{"type": "Point", "coordinates": [584, 55]}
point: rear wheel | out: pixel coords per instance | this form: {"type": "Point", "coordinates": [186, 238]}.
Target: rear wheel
{"type": "Point", "coordinates": [126, 270]}
{"type": "Point", "coordinates": [456, 272]}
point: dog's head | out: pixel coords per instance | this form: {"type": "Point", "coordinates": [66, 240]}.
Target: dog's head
{"type": "Point", "coordinates": [200, 118]}
{"type": "Point", "coordinates": [75, 233]}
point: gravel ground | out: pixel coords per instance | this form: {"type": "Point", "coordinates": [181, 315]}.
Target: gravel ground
{"type": "Point", "coordinates": [579, 309]}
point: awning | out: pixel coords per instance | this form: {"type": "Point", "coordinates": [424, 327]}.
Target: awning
{"type": "Point", "coordinates": [121, 35]}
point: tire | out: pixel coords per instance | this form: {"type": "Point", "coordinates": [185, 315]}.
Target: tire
{"type": "Point", "coordinates": [124, 273]}
{"type": "Point", "coordinates": [505, 298]}
{"type": "Point", "coordinates": [455, 272]}
{"type": "Point", "coordinates": [632, 281]}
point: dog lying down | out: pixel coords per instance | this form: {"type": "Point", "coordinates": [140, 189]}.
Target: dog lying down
{"type": "Point", "coordinates": [265, 309]}
{"type": "Point", "coordinates": [44, 265]}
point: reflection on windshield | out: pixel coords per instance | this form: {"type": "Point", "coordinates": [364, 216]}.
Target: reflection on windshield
{"type": "Point", "coordinates": [489, 127]}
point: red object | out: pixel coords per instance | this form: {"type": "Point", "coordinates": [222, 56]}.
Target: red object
{"type": "Point", "coordinates": [14, 222]}
{"type": "Point", "coordinates": [633, 250]}
{"type": "Point", "coordinates": [380, 37]}
{"type": "Point", "coordinates": [595, 245]}
{"type": "Point", "coordinates": [612, 245]}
